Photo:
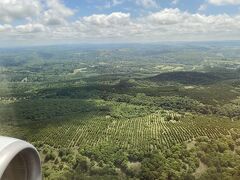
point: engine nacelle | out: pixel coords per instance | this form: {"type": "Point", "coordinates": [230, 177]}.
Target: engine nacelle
{"type": "Point", "coordinates": [19, 160]}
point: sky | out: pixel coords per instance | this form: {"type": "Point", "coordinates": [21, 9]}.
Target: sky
{"type": "Point", "coordinates": [38, 22]}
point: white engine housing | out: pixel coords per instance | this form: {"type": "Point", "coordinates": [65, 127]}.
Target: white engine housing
{"type": "Point", "coordinates": [19, 160]}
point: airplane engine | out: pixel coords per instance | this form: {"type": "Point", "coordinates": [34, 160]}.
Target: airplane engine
{"type": "Point", "coordinates": [19, 160]}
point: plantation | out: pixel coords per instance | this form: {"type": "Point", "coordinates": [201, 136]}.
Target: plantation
{"type": "Point", "coordinates": [150, 132]}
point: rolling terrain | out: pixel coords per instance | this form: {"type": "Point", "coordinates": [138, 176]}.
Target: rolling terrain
{"type": "Point", "coordinates": [125, 112]}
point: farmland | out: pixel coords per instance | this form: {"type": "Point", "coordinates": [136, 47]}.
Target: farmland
{"type": "Point", "coordinates": [145, 113]}
{"type": "Point", "coordinates": [130, 133]}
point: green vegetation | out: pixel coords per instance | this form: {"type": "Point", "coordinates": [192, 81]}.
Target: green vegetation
{"type": "Point", "coordinates": [145, 113]}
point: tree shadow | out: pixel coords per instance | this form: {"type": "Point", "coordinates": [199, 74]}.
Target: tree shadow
{"type": "Point", "coordinates": [30, 116]}
{"type": "Point", "coordinates": [188, 78]}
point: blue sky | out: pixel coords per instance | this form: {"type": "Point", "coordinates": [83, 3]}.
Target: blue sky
{"type": "Point", "coordinates": [88, 7]}
{"type": "Point", "coordinates": [113, 21]}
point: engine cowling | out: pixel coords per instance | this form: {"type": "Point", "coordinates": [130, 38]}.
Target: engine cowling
{"type": "Point", "coordinates": [19, 160]}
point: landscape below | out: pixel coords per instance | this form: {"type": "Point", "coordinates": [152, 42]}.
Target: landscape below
{"type": "Point", "coordinates": [126, 111]}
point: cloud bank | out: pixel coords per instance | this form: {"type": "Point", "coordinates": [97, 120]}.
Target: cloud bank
{"type": "Point", "coordinates": [50, 21]}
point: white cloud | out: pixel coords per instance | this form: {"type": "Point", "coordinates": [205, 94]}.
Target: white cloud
{"type": "Point", "coordinates": [59, 8]}
{"type": "Point", "coordinates": [147, 3]}
{"type": "Point", "coordinates": [11, 10]}
{"type": "Point", "coordinates": [112, 3]}
{"type": "Point", "coordinates": [5, 28]}
{"type": "Point", "coordinates": [175, 2]}
{"type": "Point", "coordinates": [116, 25]}
{"type": "Point", "coordinates": [224, 2]}
{"type": "Point", "coordinates": [56, 13]}
{"type": "Point", "coordinates": [167, 16]}
{"type": "Point", "coordinates": [30, 28]}
{"type": "Point", "coordinates": [102, 20]}
{"type": "Point", "coordinates": [116, 2]}
{"type": "Point", "coordinates": [49, 12]}
{"type": "Point", "coordinates": [168, 24]}
{"type": "Point", "coordinates": [178, 23]}
{"type": "Point", "coordinates": [203, 7]}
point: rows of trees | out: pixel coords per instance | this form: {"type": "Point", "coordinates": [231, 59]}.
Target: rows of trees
{"type": "Point", "coordinates": [151, 132]}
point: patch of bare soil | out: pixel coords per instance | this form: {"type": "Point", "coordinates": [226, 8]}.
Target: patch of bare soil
{"type": "Point", "coordinates": [200, 170]}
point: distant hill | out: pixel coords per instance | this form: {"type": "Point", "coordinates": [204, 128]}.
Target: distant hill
{"type": "Point", "coordinates": [193, 78]}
